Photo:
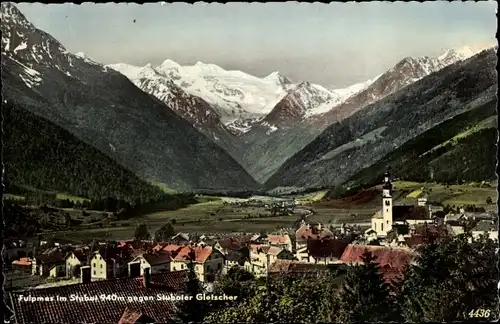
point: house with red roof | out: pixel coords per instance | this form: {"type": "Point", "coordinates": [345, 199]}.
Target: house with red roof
{"type": "Point", "coordinates": [307, 232]}
{"type": "Point", "coordinates": [233, 243]}
{"type": "Point", "coordinates": [392, 260]}
{"type": "Point", "coordinates": [23, 263]}
{"type": "Point", "coordinates": [207, 260]}
{"type": "Point", "coordinates": [282, 240]}
{"type": "Point", "coordinates": [173, 249]}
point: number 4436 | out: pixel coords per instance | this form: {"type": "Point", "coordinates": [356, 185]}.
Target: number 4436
{"type": "Point", "coordinates": [484, 313]}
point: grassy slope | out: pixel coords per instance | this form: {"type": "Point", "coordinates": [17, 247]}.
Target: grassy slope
{"type": "Point", "coordinates": [42, 155]}
{"type": "Point", "coordinates": [461, 154]}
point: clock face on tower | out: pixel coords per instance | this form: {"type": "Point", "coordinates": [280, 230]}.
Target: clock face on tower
{"type": "Point", "coordinates": [387, 203]}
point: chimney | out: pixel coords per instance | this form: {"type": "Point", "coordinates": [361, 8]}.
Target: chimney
{"type": "Point", "coordinates": [147, 277]}
{"type": "Point", "coordinates": [85, 274]}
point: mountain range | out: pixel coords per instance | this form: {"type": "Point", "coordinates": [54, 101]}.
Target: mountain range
{"type": "Point", "coordinates": [103, 108]}
{"type": "Point", "coordinates": [200, 126]}
{"type": "Point", "coordinates": [365, 137]}
{"type": "Point", "coordinates": [270, 118]}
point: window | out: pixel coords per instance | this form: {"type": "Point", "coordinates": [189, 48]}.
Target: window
{"type": "Point", "coordinates": [382, 226]}
{"type": "Point", "coordinates": [101, 266]}
{"type": "Point", "coordinates": [175, 269]}
{"type": "Point", "coordinates": [94, 272]}
{"type": "Point", "coordinates": [94, 264]}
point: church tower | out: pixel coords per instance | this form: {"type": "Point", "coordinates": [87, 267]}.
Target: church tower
{"type": "Point", "coordinates": [387, 203]}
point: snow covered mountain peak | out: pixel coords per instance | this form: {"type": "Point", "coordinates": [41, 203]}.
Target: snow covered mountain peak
{"type": "Point", "coordinates": [278, 78]}
{"type": "Point", "coordinates": [84, 56]}
{"type": "Point", "coordinates": [208, 67]}
{"type": "Point", "coordinates": [168, 64]}
{"type": "Point", "coordinates": [11, 15]}
{"type": "Point", "coordinates": [456, 54]}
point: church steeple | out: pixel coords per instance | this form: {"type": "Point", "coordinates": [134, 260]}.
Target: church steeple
{"type": "Point", "coordinates": [386, 225]}
{"type": "Point", "coordinates": [387, 187]}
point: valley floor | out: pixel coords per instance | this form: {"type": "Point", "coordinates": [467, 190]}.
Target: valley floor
{"type": "Point", "coordinates": [217, 215]}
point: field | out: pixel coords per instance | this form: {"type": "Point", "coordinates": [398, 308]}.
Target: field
{"type": "Point", "coordinates": [215, 215]}
{"type": "Point", "coordinates": [71, 198]}
{"type": "Point", "coordinates": [163, 187]}
{"type": "Point", "coordinates": [311, 198]}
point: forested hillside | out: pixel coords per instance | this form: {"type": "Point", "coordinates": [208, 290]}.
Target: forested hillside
{"type": "Point", "coordinates": [41, 155]}
{"type": "Point", "coordinates": [460, 149]}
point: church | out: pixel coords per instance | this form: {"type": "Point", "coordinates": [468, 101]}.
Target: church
{"type": "Point", "coordinates": [389, 216]}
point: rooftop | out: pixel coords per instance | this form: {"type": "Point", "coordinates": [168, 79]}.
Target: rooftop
{"type": "Point", "coordinates": [99, 310]}
{"type": "Point", "coordinates": [279, 239]}
{"type": "Point", "coordinates": [410, 212]}
{"type": "Point", "coordinates": [392, 260]}
{"type": "Point", "coordinates": [201, 254]}
{"type": "Point", "coordinates": [325, 248]}
{"type": "Point", "coordinates": [156, 258]}
{"type": "Point", "coordinates": [306, 232]}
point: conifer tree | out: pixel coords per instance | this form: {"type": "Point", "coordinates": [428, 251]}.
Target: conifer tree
{"type": "Point", "coordinates": [365, 296]}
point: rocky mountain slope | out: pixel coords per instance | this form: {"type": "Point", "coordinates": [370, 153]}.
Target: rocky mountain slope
{"type": "Point", "coordinates": [269, 145]}
{"type": "Point", "coordinates": [407, 71]}
{"type": "Point", "coordinates": [462, 148]}
{"type": "Point", "coordinates": [366, 136]}
{"type": "Point", "coordinates": [192, 108]}
{"type": "Point", "coordinates": [103, 108]}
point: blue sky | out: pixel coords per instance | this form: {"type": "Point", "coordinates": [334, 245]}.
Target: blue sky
{"type": "Point", "coordinates": [332, 44]}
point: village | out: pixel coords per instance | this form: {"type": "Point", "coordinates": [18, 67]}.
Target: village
{"type": "Point", "coordinates": [396, 232]}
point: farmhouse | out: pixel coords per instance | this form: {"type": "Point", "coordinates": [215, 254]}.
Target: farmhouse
{"type": "Point", "coordinates": [390, 215]}
{"type": "Point", "coordinates": [236, 258]}
{"type": "Point", "coordinates": [156, 261]}
{"type": "Point", "coordinates": [234, 243]}
{"type": "Point", "coordinates": [485, 227]}
{"type": "Point", "coordinates": [49, 264]}
{"type": "Point", "coordinates": [107, 262]}
{"type": "Point", "coordinates": [324, 251]}
{"type": "Point", "coordinates": [262, 256]}
{"type": "Point", "coordinates": [74, 260]}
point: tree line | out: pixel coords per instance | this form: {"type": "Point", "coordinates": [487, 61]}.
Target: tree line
{"type": "Point", "coordinates": [450, 280]}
